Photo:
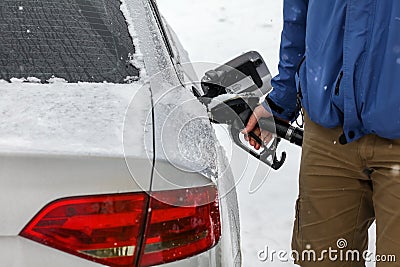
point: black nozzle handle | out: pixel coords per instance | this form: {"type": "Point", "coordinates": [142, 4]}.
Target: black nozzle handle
{"type": "Point", "coordinates": [282, 129]}
{"type": "Point", "coordinates": [267, 155]}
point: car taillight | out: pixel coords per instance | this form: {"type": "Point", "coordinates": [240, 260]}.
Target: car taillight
{"type": "Point", "coordinates": [103, 228]}
{"type": "Point", "coordinates": [113, 229]}
{"type": "Point", "coordinates": [182, 223]}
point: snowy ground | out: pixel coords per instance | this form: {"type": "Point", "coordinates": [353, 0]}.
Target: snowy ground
{"type": "Point", "coordinates": [217, 31]}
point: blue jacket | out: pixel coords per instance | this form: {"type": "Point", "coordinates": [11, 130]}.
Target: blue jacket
{"type": "Point", "coordinates": [350, 75]}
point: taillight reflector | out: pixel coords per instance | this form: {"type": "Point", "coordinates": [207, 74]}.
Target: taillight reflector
{"type": "Point", "coordinates": [102, 228]}
{"type": "Point", "coordinates": [109, 229]}
{"type": "Point", "coordinates": [182, 223]}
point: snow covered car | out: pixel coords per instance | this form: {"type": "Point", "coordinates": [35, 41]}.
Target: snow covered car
{"type": "Point", "coordinates": [106, 156]}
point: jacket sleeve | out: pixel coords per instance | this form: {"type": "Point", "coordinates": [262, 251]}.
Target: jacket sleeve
{"type": "Point", "coordinates": [283, 98]}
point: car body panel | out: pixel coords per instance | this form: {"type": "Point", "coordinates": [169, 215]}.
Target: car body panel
{"type": "Point", "coordinates": [13, 247]}
{"type": "Point", "coordinates": [175, 107]}
{"type": "Point", "coordinates": [17, 251]}
{"type": "Point", "coordinates": [210, 258]}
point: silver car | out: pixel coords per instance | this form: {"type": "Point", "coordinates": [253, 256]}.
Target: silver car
{"type": "Point", "coordinates": [106, 156]}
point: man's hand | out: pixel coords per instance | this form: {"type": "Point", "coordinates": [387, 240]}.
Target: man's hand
{"type": "Point", "coordinates": [265, 136]}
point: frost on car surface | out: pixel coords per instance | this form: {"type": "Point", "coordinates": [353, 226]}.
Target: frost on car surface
{"type": "Point", "coordinates": [78, 40]}
{"type": "Point", "coordinates": [182, 129]}
{"type": "Point", "coordinates": [84, 118]}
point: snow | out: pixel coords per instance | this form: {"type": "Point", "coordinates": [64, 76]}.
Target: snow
{"type": "Point", "coordinates": [82, 118]}
{"type": "Point", "coordinates": [217, 31]}
{"type": "Point", "coordinates": [136, 59]}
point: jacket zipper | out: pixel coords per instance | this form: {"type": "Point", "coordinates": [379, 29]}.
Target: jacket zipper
{"type": "Point", "coordinates": [299, 94]}
{"type": "Point", "coordinates": [338, 83]}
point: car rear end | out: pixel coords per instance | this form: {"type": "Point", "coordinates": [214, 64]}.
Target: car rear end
{"type": "Point", "coordinates": [66, 189]}
{"type": "Point", "coordinates": [84, 177]}
{"type": "Point", "coordinates": [73, 192]}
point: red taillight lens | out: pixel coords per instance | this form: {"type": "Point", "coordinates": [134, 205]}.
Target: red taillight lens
{"type": "Point", "coordinates": [109, 229]}
{"type": "Point", "coordinates": [182, 223]}
{"type": "Point", "coordinates": [103, 228]}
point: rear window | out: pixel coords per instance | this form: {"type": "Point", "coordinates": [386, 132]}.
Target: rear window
{"type": "Point", "coordinates": [78, 40]}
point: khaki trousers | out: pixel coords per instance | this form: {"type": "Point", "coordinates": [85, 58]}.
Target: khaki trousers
{"type": "Point", "coordinates": [342, 190]}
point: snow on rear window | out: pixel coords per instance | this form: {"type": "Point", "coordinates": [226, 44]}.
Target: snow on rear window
{"type": "Point", "coordinates": [78, 40]}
